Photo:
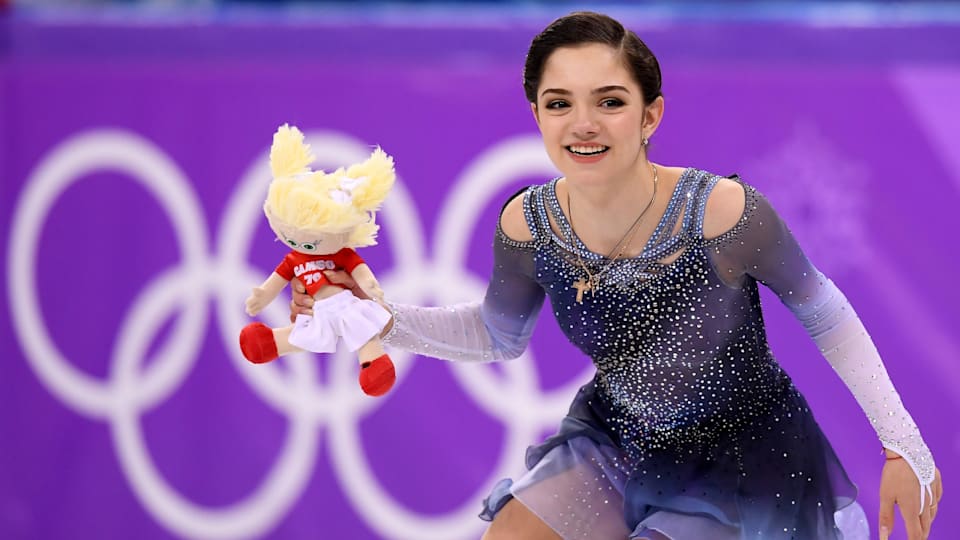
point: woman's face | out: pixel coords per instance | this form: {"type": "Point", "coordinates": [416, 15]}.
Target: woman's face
{"type": "Point", "coordinates": [590, 113]}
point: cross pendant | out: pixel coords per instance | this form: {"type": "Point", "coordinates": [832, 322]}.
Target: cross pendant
{"type": "Point", "coordinates": [582, 286]}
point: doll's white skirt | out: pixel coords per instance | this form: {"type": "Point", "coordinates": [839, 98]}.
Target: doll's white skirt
{"type": "Point", "coordinates": [341, 316]}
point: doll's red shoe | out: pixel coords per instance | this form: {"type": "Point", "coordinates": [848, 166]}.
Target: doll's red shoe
{"type": "Point", "coordinates": [378, 376]}
{"type": "Point", "coordinates": [257, 343]}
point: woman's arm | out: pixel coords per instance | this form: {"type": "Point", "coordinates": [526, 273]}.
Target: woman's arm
{"type": "Point", "coordinates": [760, 245]}
{"type": "Point", "coordinates": [499, 327]}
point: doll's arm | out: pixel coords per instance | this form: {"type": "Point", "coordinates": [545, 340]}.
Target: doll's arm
{"type": "Point", "coordinates": [265, 293]}
{"type": "Point", "coordinates": [367, 281]}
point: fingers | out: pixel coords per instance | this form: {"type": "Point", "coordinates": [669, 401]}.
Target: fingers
{"type": "Point", "coordinates": [306, 308]}
{"type": "Point", "coordinates": [346, 280]}
{"type": "Point", "coordinates": [301, 303]}
{"type": "Point", "coordinates": [886, 517]}
{"type": "Point", "coordinates": [298, 286]}
{"type": "Point", "coordinates": [937, 488]}
{"type": "Point", "coordinates": [340, 278]}
{"type": "Point", "coordinates": [937, 495]}
{"type": "Point", "coordinates": [910, 513]}
{"type": "Point", "coordinates": [925, 518]}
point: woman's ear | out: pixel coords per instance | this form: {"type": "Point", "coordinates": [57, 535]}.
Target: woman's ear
{"type": "Point", "coordinates": [652, 115]}
{"type": "Point", "coordinates": [536, 113]}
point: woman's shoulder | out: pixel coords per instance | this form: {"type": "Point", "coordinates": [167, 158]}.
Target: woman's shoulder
{"type": "Point", "coordinates": [515, 214]}
{"type": "Point", "coordinates": [513, 220]}
{"type": "Point", "coordinates": [725, 206]}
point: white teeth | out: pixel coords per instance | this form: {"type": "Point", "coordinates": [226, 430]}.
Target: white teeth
{"type": "Point", "coordinates": [588, 150]}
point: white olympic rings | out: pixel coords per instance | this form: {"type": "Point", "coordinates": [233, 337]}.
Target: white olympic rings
{"type": "Point", "coordinates": [132, 389]}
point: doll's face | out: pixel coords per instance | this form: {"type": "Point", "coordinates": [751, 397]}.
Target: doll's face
{"type": "Point", "coordinates": [310, 242]}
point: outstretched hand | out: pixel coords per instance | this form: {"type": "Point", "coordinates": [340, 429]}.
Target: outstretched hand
{"type": "Point", "coordinates": [257, 300]}
{"type": "Point", "coordinates": [899, 486]}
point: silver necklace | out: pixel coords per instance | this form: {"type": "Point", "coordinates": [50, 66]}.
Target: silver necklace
{"type": "Point", "coordinates": [592, 283]}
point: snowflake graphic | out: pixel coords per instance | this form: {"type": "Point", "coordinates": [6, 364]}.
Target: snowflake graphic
{"type": "Point", "coordinates": [821, 194]}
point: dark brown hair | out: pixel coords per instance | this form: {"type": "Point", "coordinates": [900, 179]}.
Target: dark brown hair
{"type": "Point", "coordinates": [588, 27]}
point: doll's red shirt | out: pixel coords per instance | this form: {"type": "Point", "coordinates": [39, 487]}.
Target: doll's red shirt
{"type": "Point", "coordinates": [309, 268]}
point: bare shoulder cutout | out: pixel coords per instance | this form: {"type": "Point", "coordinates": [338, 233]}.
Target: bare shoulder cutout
{"type": "Point", "coordinates": [513, 223]}
{"type": "Point", "coordinates": [725, 207]}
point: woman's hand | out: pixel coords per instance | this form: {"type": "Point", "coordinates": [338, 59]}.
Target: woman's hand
{"type": "Point", "coordinates": [346, 280]}
{"type": "Point", "coordinates": [899, 485]}
{"type": "Point", "coordinates": [303, 302]}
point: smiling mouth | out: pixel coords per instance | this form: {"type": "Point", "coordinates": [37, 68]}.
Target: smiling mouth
{"type": "Point", "coordinates": [587, 150]}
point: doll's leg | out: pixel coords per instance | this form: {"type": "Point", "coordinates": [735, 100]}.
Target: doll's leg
{"type": "Point", "coordinates": [377, 374]}
{"type": "Point", "coordinates": [260, 343]}
{"type": "Point", "coordinates": [281, 336]}
{"type": "Point", "coordinates": [370, 351]}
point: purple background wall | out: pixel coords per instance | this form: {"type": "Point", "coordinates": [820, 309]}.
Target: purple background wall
{"type": "Point", "coordinates": [132, 161]}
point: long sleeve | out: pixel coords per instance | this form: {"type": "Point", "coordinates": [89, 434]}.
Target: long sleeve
{"type": "Point", "coordinates": [498, 328]}
{"type": "Point", "coordinates": [761, 246]}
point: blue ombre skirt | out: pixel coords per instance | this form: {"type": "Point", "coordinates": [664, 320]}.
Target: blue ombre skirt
{"type": "Point", "coordinates": [779, 479]}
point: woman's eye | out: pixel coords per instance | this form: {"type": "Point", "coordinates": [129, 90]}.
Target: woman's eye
{"type": "Point", "coordinates": [291, 243]}
{"type": "Point", "coordinates": [308, 247]}
{"type": "Point", "coordinates": [611, 103]}
{"type": "Point", "coordinates": [557, 104]}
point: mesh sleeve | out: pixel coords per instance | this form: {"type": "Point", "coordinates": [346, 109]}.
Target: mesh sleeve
{"type": "Point", "coordinates": [498, 328]}
{"type": "Point", "coordinates": [761, 247]}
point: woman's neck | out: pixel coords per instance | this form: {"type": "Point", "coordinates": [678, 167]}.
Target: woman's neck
{"type": "Point", "coordinates": [615, 197]}
{"type": "Point", "coordinates": [602, 213]}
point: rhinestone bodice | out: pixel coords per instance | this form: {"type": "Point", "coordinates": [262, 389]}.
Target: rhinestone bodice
{"type": "Point", "coordinates": [673, 344]}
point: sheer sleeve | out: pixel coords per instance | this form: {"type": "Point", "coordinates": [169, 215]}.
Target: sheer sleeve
{"type": "Point", "coordinates": [761, 247]}
{"type": "Point", "coordinates": [498, 328]}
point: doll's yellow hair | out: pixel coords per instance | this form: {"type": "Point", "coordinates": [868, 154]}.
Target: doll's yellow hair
{"type": "Point", "coordinates": [305, 199]}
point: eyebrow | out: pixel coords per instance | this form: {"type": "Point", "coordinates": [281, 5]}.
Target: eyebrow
{"type": "Point", "coordinates": [601, 90]}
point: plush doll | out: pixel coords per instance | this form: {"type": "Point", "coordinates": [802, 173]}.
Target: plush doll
{"type": "Point", "coordinates": [321, 218]}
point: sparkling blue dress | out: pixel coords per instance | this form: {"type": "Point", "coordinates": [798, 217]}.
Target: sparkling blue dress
{"type": "Point", "coordinates": [689, 429]}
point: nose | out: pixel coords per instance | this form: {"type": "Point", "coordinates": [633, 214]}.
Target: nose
{"type": "Point", "coordinates": [585, 125]}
